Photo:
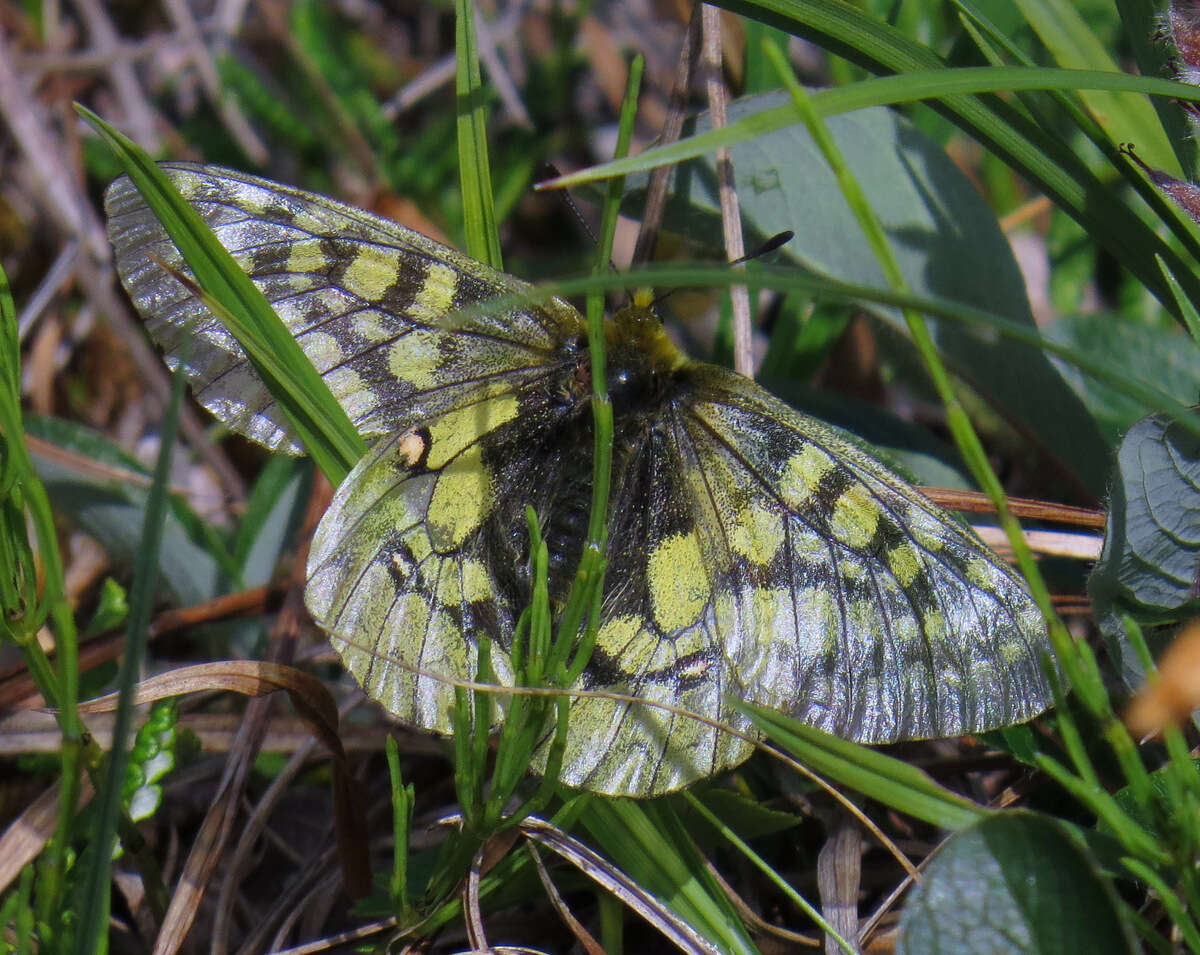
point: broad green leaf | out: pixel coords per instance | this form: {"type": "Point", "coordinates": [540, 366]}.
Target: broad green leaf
{"type": "Point", "coordinates": [274, 511]}
{"type": "Point", "coordinates": [925, 77]}
{"type": "Point", "coordinates": [945, 238]}
{"type": "Point", "coordinates": [1049, 164]}
{"type": "Point", "coordinates": [1163, 355]}
{"type": "Point", "coordinates": [1013, 883]}
{"type": "Point", "coordinates": [106, 503]}
{"type": "Point", "coordinates": [1152, 539]}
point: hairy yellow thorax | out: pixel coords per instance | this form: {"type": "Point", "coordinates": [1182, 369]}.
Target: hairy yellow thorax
{"type": "Point", "coordinates": [635, 335]}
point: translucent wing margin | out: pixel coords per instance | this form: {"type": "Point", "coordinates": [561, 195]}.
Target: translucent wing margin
{"type": "Point", "coordinates": [374, 306]}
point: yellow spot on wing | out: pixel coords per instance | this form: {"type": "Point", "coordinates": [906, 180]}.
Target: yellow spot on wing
{"type": "Point", "coordinates": [935, 626]}
{"type": "Point", "coordinates": [920, 531]}
{"type": "Point", "coordinates": [351, 392]}
{"type": "Point", "coordinates": [766, 605]}
{"type": "Point", "coordinates": [373, 326]}
{"type": "Point", "coordinates": [461, 500]}
{"type": "Point", "coordinates": [322, 349]}
{"type": "Point", "coordinates": [476, 581]}
{"type": "Point", "coordinates": [418, 543]}
{"type": "Point", "coordinates": [803, 474]}
{"type": "Point", "coordinates": [855, 516]}
{"type": "Point", "coordinates": [306, 256]}
{"type": "Point", "coordinates": [372, 273]}
{"type": "Point", "coordinates": [402, 564]}
{"type": "Point", "coordinates": [679, 589]}
{"type": "Point", "coordinates": [436, 297]}
{"type": "Point", "coordinates": [981, 572]}
{"type": "Point", "coordinates": [905, 563]}
{"type": "Point", "coordinates": [463, 582]}
{"type": "Point", "coordinates": [415, 358]}
{"type": "Point", "coordinates": [625, 640]}
{"type": "Point", "coordinates": [757, 534]}
{"type": "Point", "coordinates": [863, 619]}
{"type": "Point", "coordinates": [458, 429]}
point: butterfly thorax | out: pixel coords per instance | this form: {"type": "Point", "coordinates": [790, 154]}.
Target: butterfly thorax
{"type": "Point", "coordinates": [641, 360]}
{"type": "Point", "coordinates": [642, 363]}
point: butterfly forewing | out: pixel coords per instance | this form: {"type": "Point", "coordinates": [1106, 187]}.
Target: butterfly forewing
{"type": "Point", "coordinates": [381, 311]}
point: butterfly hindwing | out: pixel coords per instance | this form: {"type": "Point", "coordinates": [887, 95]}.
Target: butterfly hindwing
{"type": "Point", "coordinates": [757, 555]}
{"type": "Point", "coordinates": [889, 619]}
{"type": "Point", "coordinates": [402, 595]}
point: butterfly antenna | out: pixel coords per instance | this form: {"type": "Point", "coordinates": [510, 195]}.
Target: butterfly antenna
{"type": "Point", "coordinates": [776, 241]}
{"type": "Point", "coordinates": [551, 171]}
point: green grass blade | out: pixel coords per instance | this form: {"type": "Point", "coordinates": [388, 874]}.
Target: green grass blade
{"type": "Point", "coordinates": [890, 781]}
{"type": "Point", "coordinates": [479, 211]}
{"type": "Point", "coordinates": [1047, 161]}
{"type": "Point", "coordinates": [791, 280]}
{"type": "Point", "coordinates": [649, 843]}
{"type": "Point", "coordinates": [1062, 28]}
{"type": "Point", "coordinates": [93, 922]}
{"type": "Point", "coordinates": [319, 421]}
{"type": "Point", "coordinates": [909, 87]}
{"type": "Point", "coordinates": [763, 866]}
{"type": "Point", "coordinates": [59, 684]}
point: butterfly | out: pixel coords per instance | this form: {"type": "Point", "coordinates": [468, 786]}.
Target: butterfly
{"type": "Point", "coordinates": [754, 553]}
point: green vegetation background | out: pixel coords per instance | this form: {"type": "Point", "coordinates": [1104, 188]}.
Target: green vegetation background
{"type": "Point", "coordinates": [1101, 852]}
